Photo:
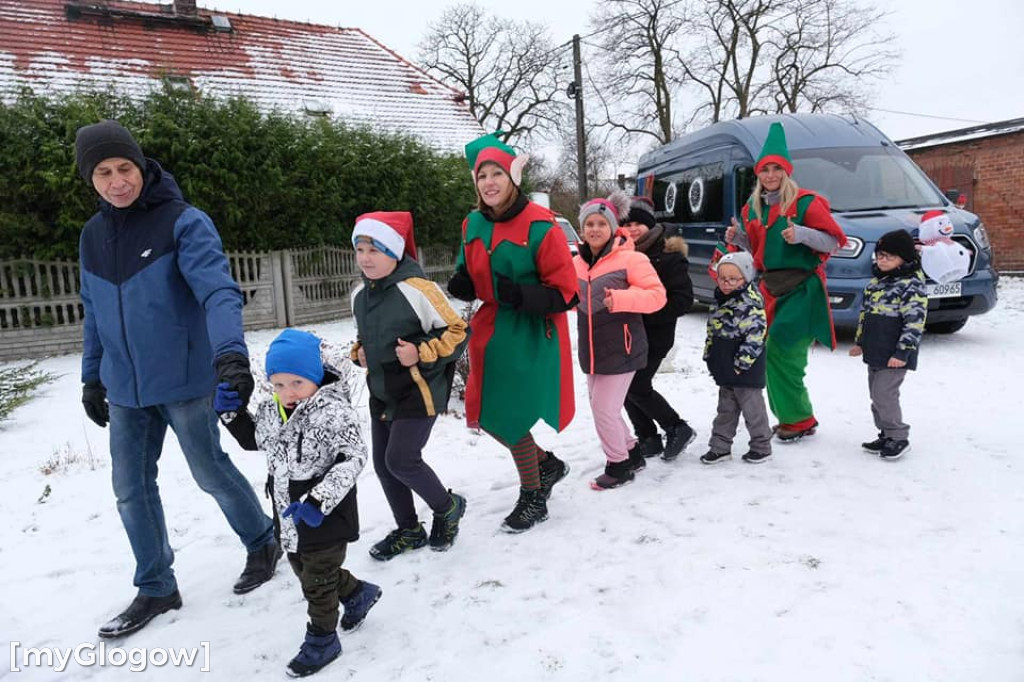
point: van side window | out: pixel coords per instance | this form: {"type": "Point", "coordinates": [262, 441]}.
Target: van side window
{"type": "Point", "coordinates": [691, 196]}
{"type": "Point", "coordinates": [745, 181]}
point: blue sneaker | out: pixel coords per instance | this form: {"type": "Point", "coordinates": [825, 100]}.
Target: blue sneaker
{"type": "Point", "coordinates": [318, 649]}
{"type": "Point", "coordinates": [446, 525]}
{"type": "Point", "coordinates": [358, 604]}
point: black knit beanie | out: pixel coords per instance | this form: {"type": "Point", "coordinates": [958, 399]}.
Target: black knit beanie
{"type": "Point", "coordinates": [898, 243]}
{"type": "Point", "coordinates": [105, 140]}
{"type": "Point", "coordinates": [641, 211]}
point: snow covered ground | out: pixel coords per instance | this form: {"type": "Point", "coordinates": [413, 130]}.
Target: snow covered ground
{"type": "Point", "coordinates": [824, 564]}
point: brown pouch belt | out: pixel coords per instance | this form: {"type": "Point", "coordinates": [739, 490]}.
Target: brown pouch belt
{"type": "Point", "coordinates": [781, 282]}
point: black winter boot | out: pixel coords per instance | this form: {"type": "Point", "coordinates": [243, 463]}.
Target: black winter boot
{"type": "Point", "coordinates": [552, 470]}
{"type": "Point", "coordinates": [530, 509]}
{"type": "Point", "coordinates": [615, 474]}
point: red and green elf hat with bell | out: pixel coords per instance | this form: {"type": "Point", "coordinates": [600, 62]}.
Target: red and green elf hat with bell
{"type": "Point", "coordinates": [490, 149]}
{"type": "Point", "coordinates": [775, 150]}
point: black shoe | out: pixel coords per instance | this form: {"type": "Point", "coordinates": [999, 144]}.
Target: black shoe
{"type": "Point", "coordinates": [676, 440]}
{"type": "Point", "coordinates": [446, 525]}
{"type": "Point", "coordinates": [637, 457]}
{"type": "Point", "coordinates": [142, 610]}
{"type": "Point", "coordinates": [652, 445]}
{"type": "Point", "coordinates": [398, 541]}
{"type": "Point", "coordinates": [552, 470]}
{"type": "Point", "coordinates": [875, 446]}
{"type": "Point", "coordinates": [712, 457]}
{"type": "Point", "coordinates": [358, 604]}
{"type": "Point", "coordinates": [259, 567]}
{"type": "Point", "coordinates": [318, 649]}
{"type": "Point", "coordinates": [756, 457]}
{"type": "Point", "coordinates": [531, 508]}
{"type": "Point", "coordinates": [616, 474]}
{"type": "Point", "coordinates": [894, 449]}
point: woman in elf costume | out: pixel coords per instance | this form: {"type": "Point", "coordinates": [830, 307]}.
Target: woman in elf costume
{"type": "Point", "coordinates": [515, 259]}
{"type": "Point", "coordinates": [791, 234]}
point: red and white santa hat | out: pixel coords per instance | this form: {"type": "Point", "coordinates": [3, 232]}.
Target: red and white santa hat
{"type": "Point", "coordinates": [935, 225]}
{"type": "Point", "coordinates": [390, 232]}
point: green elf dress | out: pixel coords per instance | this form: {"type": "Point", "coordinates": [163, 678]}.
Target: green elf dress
{"type": "Point", "coordinates": [520, 364]}
{"type": "Point", "coordinates": [794, 288]}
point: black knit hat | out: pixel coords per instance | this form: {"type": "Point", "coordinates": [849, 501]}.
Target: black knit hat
{"type": "Point", "coordinates": [641, 210]}
{"type": "Point", "coordinates": [105, 140]}
{"type": "Point", "coordinates": [898, 243]}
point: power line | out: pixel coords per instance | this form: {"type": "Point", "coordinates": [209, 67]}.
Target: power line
{"type": "Point", "coordinates": [941, 118]}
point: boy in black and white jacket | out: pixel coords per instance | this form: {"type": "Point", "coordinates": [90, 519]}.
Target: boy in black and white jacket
{"type": "Point", "coordinates": [315, 451]}
{"type": "Point", "coordinates": [889, 332]}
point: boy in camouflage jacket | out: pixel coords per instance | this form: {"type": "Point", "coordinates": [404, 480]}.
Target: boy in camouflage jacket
{"type": "Point", "coordinates": [889, 331]}
{"type": "Point", "coordinates": [734, 353]}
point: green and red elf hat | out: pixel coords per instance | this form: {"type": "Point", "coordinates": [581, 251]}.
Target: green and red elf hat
{"type": "Point", "coordinates": [775, 150]}
{"type": "Point", "coordinates": [490, 149]}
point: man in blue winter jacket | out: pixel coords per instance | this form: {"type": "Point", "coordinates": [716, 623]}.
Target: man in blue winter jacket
{"type": "Point", "coordinates": [163, 325]}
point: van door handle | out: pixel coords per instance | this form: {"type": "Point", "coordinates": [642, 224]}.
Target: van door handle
{"type": "Point", "coordinates": [711, 230]}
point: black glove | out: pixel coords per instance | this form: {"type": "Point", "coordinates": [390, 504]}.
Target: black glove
{"type": "Point", "coordinates": [461, 285]}
{"type": "Point", "coordinates": [233, 370]}
{"type": "Point", "coordinates": [535, 299]}
{"type": "Point", "coordinates": [94, 399]}
{"type": "Point", "coordinates": [508, 291]}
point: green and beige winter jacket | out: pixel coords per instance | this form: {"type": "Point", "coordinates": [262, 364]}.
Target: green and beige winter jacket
{"type": "Point", "coordinates": [406, 305]}
{"type": "Point", "coordinates": [734, 348]}
{"type": "Point", "coordinates": [892, 316]}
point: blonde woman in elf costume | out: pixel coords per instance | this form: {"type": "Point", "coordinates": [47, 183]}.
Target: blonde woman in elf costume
{"type": "Point", "coordinates": [791, 234]}
{"type": "Point", "coordinates": [515, 259]}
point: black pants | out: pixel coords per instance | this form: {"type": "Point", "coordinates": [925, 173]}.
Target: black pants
{"type": "Point", "coordinates": [644, 405]}
{"type": "Point", "coordinates": [324, 583]}
{"type": "Point", "coordinates": [398, 461]}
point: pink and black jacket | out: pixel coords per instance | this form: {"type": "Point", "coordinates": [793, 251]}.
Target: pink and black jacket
{"type": "Point", "coordinates": [615, 343]}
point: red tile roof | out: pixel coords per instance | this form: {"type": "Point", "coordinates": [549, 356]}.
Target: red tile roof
{"type": "Point", "coordinates": [63, 45]}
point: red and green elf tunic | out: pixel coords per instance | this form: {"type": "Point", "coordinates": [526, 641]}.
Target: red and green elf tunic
{"type": "Point", "coordinates": [520, 364]}
{"type": "Point", "coordinates": [800, 317]}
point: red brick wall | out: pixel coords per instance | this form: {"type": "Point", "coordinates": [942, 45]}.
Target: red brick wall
{"type": "Point", "coordinates": [998, 192]}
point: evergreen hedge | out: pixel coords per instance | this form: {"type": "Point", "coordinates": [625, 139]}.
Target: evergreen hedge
{"type": "Point", "coordinates": [268, 180]}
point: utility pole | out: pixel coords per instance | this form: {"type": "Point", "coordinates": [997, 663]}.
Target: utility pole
{"type": "Point", "coordinates": [581, 137]}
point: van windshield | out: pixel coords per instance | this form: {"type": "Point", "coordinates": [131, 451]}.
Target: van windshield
{"type": "Point", "coordinates": [864, 178]}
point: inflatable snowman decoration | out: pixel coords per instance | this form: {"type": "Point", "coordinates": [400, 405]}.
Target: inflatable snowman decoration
{"type": "Point", "coordinates": [942, 259]}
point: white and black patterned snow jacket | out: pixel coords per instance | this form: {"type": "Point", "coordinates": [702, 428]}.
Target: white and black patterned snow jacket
{"type": "Point", "coordinates": [314, 456]}
{"type": "Point", "coordinates": [892, 316]}
{"type": "Point", "coordinates": [734, 348]}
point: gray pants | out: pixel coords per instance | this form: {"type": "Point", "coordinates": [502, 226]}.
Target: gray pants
{"type": "Point", "coordinates": [884, 387]}
{"type": "Point", "coordinates": [732, 402]}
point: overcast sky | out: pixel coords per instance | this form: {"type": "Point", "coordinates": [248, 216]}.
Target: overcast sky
{"type": "Point", "coordinates": [962, 59]}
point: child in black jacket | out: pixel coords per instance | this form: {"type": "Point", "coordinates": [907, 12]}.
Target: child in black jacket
{"type": "Point", "coordinates": [892, 317]}
{"type": "Point", "coordinates": [734, 353]}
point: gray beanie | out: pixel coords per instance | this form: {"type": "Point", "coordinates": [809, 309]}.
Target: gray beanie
{"type": "Point", "coordinates": [105, 140]}
{"type": "Point", "coordinates": [741, 259]}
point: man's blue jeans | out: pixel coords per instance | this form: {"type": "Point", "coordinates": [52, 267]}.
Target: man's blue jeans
{"type": "Point", "coordinates": [136, 439]}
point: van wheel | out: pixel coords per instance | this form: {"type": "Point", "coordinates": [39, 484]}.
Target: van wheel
{"type": "Point", "coordinates": [947, 327]}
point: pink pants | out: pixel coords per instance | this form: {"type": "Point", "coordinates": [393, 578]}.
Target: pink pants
{"type": "Point", "coordinates": [607, 396]}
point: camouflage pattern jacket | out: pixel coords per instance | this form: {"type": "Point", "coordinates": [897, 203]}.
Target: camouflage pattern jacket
{"type": "Point", "coordinates": [734, 349]}
{"type": "Point", "coordinates": [892, 316]}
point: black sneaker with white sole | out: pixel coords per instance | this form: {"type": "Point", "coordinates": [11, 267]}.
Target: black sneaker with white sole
{"type": "Point", "coordinates": [756, 457]}
{"type": "Point", "coordinates": [875, 446]}
{"type": "Point", "coordinates": [712, 457]}
{"type": "Point", "coordinates": [894, 449]}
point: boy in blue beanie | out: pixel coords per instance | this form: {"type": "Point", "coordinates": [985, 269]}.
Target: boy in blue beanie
{"type": "Point", "coordinates": [315, 451]}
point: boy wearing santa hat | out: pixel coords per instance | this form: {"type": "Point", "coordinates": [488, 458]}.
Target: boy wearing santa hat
{"type": "Point", "coordinates": [409, 338]}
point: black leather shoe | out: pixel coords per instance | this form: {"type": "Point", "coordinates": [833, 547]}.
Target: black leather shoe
{"type": "Point", "coordinates": [259, 567]}
{"type": "Point", "coordinates": [142, 610]}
